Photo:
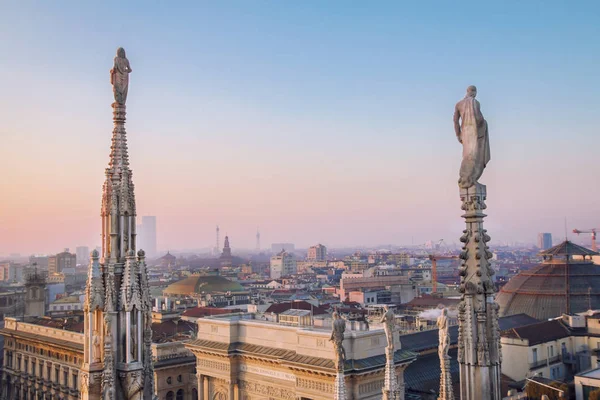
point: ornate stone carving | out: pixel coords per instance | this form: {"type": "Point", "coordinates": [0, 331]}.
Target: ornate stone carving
{"type": "Point", "coordinates": [370, 387]}
{"type": "Point", "coordinates": [119, 268]}
{"type": "Point", "coordinates": [267, 390]}
{"type": "Point", "coordinates": [318, 386]}
{"type": "Point", "coordinates": [211, 365]}
{"type": "Point", "coordinates": [478, 347]}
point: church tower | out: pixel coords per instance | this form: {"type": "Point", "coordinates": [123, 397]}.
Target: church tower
{"type": "Point", "coordinates": [226, 258]}
{"type": "Point", "coordinates": [35, 294]}
{"type": "Point", "coordinates": [117, 308]}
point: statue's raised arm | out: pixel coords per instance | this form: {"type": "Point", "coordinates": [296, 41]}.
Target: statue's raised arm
{"type": "Point", "coordinates": [119, 76]}
{"type": "Point", "coordinates": [472, 131]}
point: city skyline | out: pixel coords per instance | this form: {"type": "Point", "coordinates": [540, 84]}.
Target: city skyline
{"type": "Point", "coordinates": [312, 148]}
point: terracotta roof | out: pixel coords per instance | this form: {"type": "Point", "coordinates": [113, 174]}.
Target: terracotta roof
{"type": "Point", "coordinates": [537, 333]}
{"type": "Point", "coordinates": [568, 248]}
{"type": "Point", "coordinates": [167, 329]}
{"type": "Point", "coordinates": [67, 324]}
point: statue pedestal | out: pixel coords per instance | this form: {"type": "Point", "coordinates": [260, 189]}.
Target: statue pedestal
{"type": "Point", "coordinates": [446, 392]}
{"type": "Point", "coordinates": [479, 335]}
{"type": "Point", "coordinates": [339, 388]}
{"type": "Point", "coordinates": [390, 387]}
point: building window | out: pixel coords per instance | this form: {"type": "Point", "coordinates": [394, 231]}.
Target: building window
{"type": "Point", "coordinates": [179, 394]}
{"type": "Point", "coordinates": [169, 380]}
{"type": "Point", "coordinates": [194, 394]}
{"type": "Point", "coordinates": [179, 378]}
{"type": "Point", "coordinates": [56, 375]}
{"type": "Point", "coordinates": [551, 351]}
{"type": "Point", "coordinates": [75, 381]}
{"type": "Point", "coordinates": [535, 356]}
{"type": "Point", "coordinates": [65, 378]}
{"type": "Point", "coordinates": [170, 396]}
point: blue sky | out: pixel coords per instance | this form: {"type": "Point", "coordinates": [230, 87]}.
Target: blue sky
{"type": "Point", "coordinates": [305, 118]}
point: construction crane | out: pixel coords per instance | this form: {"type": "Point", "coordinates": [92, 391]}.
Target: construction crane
{"type": "Point", "coordinates": [434, 259]}
{"type": "Point", "coordinates": [592, 232]}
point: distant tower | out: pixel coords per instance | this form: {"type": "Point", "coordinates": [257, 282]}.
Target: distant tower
{"type": "Point", "coordinates": [226, 258]}
{"type": "Point", "coordinates": [218, 247]}
{"type": "Point", "coordinates": [35, 294]}
{"type": "Point", "coordinates": [257, 241]}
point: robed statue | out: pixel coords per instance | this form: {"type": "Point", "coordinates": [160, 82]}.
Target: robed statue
{"type": "Point", "coordinates": [444, 336]}
{"type": "Point", "coordinates": [337, 337]}
{"type": "Point", "coordinates": [472, 131]}
{"type": "Point", "coordinates": [96, 346]}
{"type": "Point", "coordinates": [388, 319]}
{"type": "Point", "coordinates": [119, 76]}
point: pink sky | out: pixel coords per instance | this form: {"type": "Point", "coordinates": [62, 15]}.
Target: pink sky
{"type": "Point", "coordinates": [337, 132]}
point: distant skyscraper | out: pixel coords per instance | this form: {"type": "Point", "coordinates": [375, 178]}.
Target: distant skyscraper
{"type": "Point", "coordinates": [257, 240]}
{"type": "Point", "coordinates": [11, 272]}
{"type": "Point", "coordinates": [83, 254]}
{"type": "Point", "coordinates": [277, 247]}
{"type": "Point", "coordinates": [40, 261]}
{"type": "Point", "coordinates": [60, 261]}
{"type": "Point", "coordinates": [283, 264]}
{"type": "Point", "coordinates": [146, 235]}
{"type": "Point", "coordinates": [317, 253]}
{"type": "Point", "coordinates": [544, 241]}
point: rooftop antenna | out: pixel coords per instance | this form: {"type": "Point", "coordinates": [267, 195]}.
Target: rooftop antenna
{"type": "Point", "coordinates": [566, 232]}
{"type": "Point", "coordinates": [257, 240]}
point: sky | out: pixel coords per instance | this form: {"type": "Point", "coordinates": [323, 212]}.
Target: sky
{"type": "Point", "coordinates": [315, 121]}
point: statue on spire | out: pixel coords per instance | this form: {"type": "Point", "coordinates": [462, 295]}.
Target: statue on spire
{"type": "Point", "coordinates": [119, 76]}
{"type": "Point", "coordinates": [472, 131]}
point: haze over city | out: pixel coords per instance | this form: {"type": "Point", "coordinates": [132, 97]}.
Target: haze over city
{"type": "Point", "coordinates": [317, 122]}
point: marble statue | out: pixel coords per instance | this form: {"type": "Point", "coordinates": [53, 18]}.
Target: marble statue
{"type": "Point", "coordinates": [96, 344]}
{"type": "Point", "coordinates": [444, 337]}
{"type": "Point", "coordinates": [389, 321]}
{"type": "Point", "coordinates": [337, 337]}
{"type": "Point", "coordinates": [119, 76]}
{"type": "Point", "coordinates": [472, 131]}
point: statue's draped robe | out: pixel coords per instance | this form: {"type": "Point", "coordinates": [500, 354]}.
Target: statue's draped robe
{"type": "Point", "coordinates": [120, 79]}
{"type": "Point", "coordinates": [442, 324]}
{"type": "Point", "coordinates": [475, 141]}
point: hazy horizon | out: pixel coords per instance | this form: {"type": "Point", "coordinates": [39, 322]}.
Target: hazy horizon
{"type": "Point", "coordinates": [317, 122]}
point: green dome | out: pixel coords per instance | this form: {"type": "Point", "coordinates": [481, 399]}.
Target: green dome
{"type": "Point", "coordinates": [197, 284]}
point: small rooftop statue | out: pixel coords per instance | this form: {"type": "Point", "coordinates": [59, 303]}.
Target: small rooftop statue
{"type": "Point", "coordinates": [337, 337]}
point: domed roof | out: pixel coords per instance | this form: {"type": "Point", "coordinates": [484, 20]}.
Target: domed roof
{"type": "Point", "coordinates": [546, 291]}
{"type": "Point", "coordinates": [197, 284]}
